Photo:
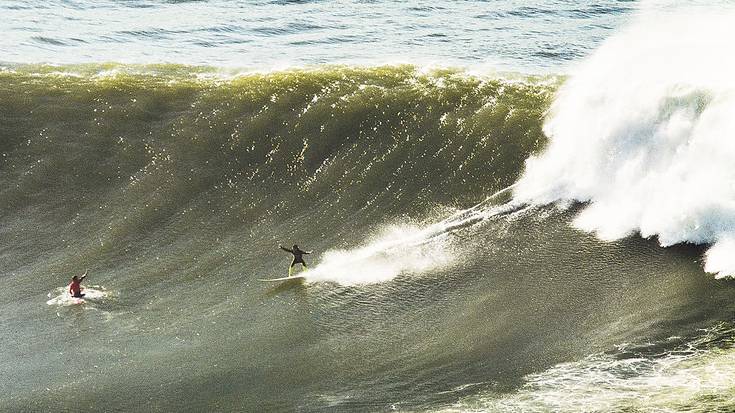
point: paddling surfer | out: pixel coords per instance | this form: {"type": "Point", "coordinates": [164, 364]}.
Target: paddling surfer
{"type": "Point", "coordinates": [298, 257]}
{"type": "Point", "coordinates": [75, 287]}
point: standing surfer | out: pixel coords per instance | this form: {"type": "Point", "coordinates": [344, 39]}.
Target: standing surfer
{"type": "Point", "coordinates": [75, 288]}
{"type": "Point", "coordinates": [298, 256]}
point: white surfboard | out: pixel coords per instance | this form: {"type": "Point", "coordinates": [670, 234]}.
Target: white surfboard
{"type": "Point", "coordinates": [293, 277]}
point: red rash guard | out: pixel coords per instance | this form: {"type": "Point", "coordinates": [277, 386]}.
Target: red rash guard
{"type": "Point", "coordinates": [75, 288]}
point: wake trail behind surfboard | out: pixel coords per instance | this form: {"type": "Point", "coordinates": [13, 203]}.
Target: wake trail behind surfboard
{"type": "Point", "coordinates": [409, 249]}
{"type": "Point", "coordinates": [485, 210]}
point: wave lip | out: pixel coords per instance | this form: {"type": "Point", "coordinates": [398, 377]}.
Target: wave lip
{"type": "Point", "coordinates": [643, 133]}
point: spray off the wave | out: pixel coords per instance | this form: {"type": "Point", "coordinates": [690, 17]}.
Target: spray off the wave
{"type": "Point", "coordinates": [402, 249]}
{"type": "Point", "coordinates": [644, 133]}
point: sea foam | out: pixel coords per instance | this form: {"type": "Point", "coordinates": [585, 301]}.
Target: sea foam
{"type": "Point", "coordinates": [644, 132]}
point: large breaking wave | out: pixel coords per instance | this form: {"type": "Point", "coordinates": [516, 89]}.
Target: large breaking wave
{"type": "Point", "coordinates": [174, 185]}
{"type": "Point", "coordinates": [118, 161]}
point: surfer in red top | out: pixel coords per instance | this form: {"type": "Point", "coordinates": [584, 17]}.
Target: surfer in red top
{"type": "Point", "coordinates": [75, 288]}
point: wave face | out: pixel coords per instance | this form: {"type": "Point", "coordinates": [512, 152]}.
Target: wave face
{"type": "Point", "coordinates": [136, 148]}
{"type": "Point", "coordinates": [643, 133]}
{"type": "Point", "coordinates": [174, 185]}
{"type": "Point", "coordinates": [169, 140]}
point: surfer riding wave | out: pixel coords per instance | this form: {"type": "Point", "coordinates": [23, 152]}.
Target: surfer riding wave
{"type": "Point", "coordinates": [298, 257]}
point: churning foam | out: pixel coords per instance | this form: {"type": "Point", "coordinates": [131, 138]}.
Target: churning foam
{"type": "Point", "coordinates": [645, 132]}
{"type": "Point", "coordinates": [61, 297]}
{"type": "Point", "coordinates": [696, 376]}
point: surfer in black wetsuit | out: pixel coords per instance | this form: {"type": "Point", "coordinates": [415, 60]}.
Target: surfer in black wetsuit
{"type": "Point", "coordinates": [298, 256]}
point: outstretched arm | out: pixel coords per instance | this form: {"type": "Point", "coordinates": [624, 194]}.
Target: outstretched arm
{"type": "Point", "coordinates": [285, 249]}
{"type": "Point", "coordinates": [84, 275]}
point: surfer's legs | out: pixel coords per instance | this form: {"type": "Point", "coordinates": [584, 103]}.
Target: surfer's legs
{"type": "Point", "coordinates": [290, 268]}
{"type": "Point", "coordinates": [293, 264]}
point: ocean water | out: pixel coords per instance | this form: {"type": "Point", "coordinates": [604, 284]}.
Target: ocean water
{"type": "Point", "coordinates": [512, 206]}
{"type": "Point", "coordinates": [272, 35]}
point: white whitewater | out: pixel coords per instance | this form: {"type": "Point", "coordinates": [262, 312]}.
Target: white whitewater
{"type": "Point", "coordinates": [644, 131]}
{"type": "Point", "coordinates": [61, 297]}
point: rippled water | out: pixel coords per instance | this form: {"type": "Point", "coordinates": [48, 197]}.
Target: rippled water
{"type": "Point", "coordinates": [511, 35]}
